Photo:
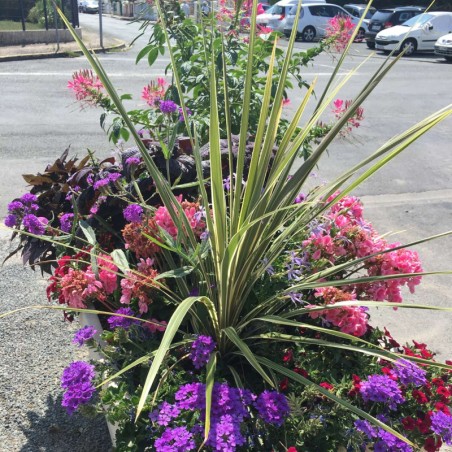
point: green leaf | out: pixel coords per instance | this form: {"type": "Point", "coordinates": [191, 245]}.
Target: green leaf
{"type": "Point", "coordinates": [210, 380]}
{"type": "Point", "coordinates": [88, 232]}
{"type": "Point", "coordinates": [170, 331]}
{"type": "Point", "coordinates": [143, 52]}
{"type": "Point", "coordinates": [120, 260]}
{"type": "Point", "coordinates": [177, 273]}
{"type": "Point", "coordinates": [125, 134]}
{"type": "Point", "coordinates": [153, 54]}
{"type": "Point", "coordinates": [247, 353]}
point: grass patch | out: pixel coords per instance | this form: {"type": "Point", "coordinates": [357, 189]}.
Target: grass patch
{"type": "Point", "coordinates": [11, 25]}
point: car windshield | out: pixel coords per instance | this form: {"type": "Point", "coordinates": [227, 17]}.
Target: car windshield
{"type": "Point", "coordinates": [370, 13]}
{"type": "Point", "coordinates": [418, 20]}
{"type": "Point", "coordinates": [382, 15]}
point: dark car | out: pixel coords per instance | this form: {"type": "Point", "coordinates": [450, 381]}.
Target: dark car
{"type": "Point", "coordinates": [389, 17]}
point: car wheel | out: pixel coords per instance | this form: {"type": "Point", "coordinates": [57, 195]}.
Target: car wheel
{"type": "Point", "coordinates": [370, 44]}
{"type": "Point", "coordinates": [448, 59]}
{"type": "Point", "coordinates": [360, 35]}
{"type": "Point", "coordinates": [409, 46]}
{"type": "Point", "coordinates": [308, 34]}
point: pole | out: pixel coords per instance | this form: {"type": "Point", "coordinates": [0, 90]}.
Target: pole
{"type": "Point", "coordinates": [22, 13]}
{"type": "Point", "coordinates": [45, 14]}
{"type": "Point", "coordinates": [56, 27]}
{"type": "Point", "coordinates": [100, 25]}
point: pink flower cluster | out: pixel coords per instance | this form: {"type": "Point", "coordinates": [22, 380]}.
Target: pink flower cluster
{"type": "Point", "coordinates": [340, 29]}
{"type": "Point", "coordinates": [192, 212]}
{"type": "Point", "coordinates": [81, 285]}
{"type": "Point", "coordinates": [154, 92]}
{"type": "Point", "coordinates": [343, 236]}
{"type": "Point", "coordinates": [140, 285]}
{"type": "Point", "coordinates": [87, 87]}
{"type": "Point", "coordinates": [340, 107]}
{"type": "Point", "coordinates": [349, 319]}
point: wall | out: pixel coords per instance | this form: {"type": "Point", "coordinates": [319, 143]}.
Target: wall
{"type": "Point", "coordinates": [18, 38]}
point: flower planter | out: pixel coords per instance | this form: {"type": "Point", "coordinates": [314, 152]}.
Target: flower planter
{"type": "Point", "coordinates": [86, 319]}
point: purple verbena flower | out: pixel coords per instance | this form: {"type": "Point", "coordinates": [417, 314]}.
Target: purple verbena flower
{"type": "Point", "coordinates": [408, 372]}
{"type": "Point", "coordinates": [177, 439]}
{"type": "Point", "coordinates": [387, 442]}
{"type": "Point", "coordinates": [442, 426]}
{"type": "Point", "coordinates": [66, 222]}
{"type": "Point", "coordinates": [167, 107]}
{"type": "Point", "coordinates": [225, 434]}
{"type": "Point", "coordinates": [191, 396]}
{"type": "Point", "coordinates": [133, 161]}
{"type": "Point", "coordinates": [101, 183]}
{"type": "Point", "coordinates": [10, 220]}
{"type": "Point", "coordinates": [367, 428]}
{"type": "Point", "coordinates": [84, 335]}
{"type": "Point", "coordinates": [201, 349]}
{"type": "Point", "coordinates": [76, 395]}
{"type": "Point", "coordinates": [15, 207]}
{"type": "Point", "coordinates": [133, 213]}
{"type": "Point", "coordinates": [165, 414]}
{"type": "Point", "coordinates": [28, 198]}
{"type": "Point", "coordinates": [35, 225]}
{"type": "Point", "coordinates": [381, 388]}
{"type": "Point", "coordinates": [122, 322]}
{"type": "Point", "coordinates": [113, 177]}
{"type": "Point", "coordinates": [272, 407]}
{"type": "Point", "coordinates": [77, 372]}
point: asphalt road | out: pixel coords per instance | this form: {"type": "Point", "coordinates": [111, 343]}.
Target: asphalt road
{"type": "Point", "coordinates": [411, 196]}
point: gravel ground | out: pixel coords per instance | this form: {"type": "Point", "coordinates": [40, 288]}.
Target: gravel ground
{"type": "Point", "coordinates": [35, 346]}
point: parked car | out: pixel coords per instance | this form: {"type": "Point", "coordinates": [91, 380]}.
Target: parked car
{"type": "Point", "coordinates": [90, 6]}
{"type": "Point", "coordinates": [81, 5]}
{"type": "Point", "coordinates": [357, 10]}
{"type": "Point", "coordinates": [275, 17]}
{"type": "Point", "coordinates": [417, 34]}
{"type": "Point", "coordinates": [443, 47]}
{"type": "Point", "coordinates": [389, 17]}
{"type": "Point", "coordinates": [313, 20]}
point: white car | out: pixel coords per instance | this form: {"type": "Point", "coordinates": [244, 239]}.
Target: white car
{"type": "Point", "coordinates": [275, 17]}
{"type": "Point", "coordinates": [357, 10]}
{"type": "Point", "coordinates": [313, 20]}
{"type": "Point", "coordinates": [443, 47]}
{"type": "Point", "coordinates": [417, 34]}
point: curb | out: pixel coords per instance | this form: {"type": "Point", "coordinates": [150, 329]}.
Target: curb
{"type": "Point", "coordinates": [63, 54]}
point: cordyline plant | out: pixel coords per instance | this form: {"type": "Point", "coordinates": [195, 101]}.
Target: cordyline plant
{"type": "Point", "coordinates": [249, 227]}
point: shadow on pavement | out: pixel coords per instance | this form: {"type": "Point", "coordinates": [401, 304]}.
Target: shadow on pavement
{"type": "Point", "coordinates": [56, 431]}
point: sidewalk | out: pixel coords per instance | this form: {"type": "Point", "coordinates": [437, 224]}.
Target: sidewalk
{"type": "Point", "coordinates": [65, 49]}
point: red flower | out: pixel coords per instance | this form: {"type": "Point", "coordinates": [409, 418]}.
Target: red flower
{"type": "Point", "coordinates": [326, 385]}
{"type": "Point", "coordinates": [443, 391]}
{"type": "Point", "coordinates": [438, 381]}
{"type": "Point", "coordinates": [284, 384]}
{"type": "Point", "coordinates": [440, 406]}
{"type": "Point", "coordinates": [301, 372]}
{"type": "Point", "coordinates": [419, 396]}
{"type": "Point", "coordinates": [431, 445]}
{"type": "Point", "coordinates": [292, 449]}
{"type": "Point", "coordinates": [288, 356]}
{"type": "Point", "coordinates": [356, 379]}
{"type": "Point", "coordinates": [424, 424]}
{"type": "Point", "coordinates": [419, 345]}
{"type": "Point", "coordinates": [387, 371]}
{"type": "Point", "coordinates": [408, 423]}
